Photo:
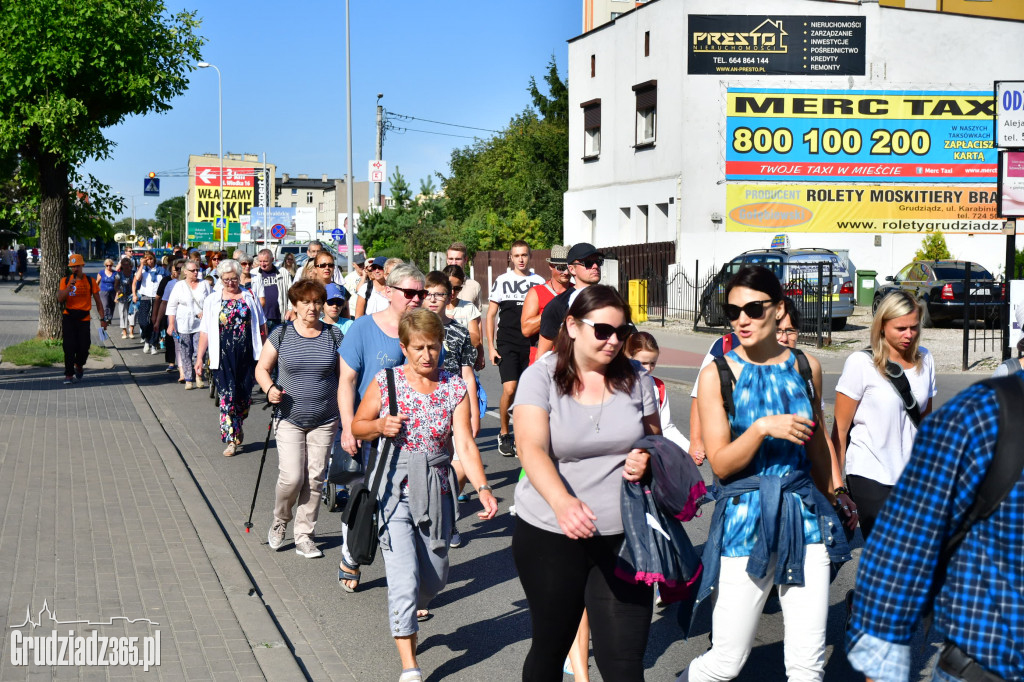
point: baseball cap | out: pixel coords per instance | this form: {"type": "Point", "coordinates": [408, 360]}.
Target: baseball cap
{"type": "Point", "coordinates": [334, 291]}
{"type": "Point", "coordinates": [75, 259]}
{"type": "Point", "coordinates": [581, 251]}
{"type": "Point", "coordinates": [558, 254]}
{"type": "Point", "coordinates": [379, 261]}
{"type": "Point", "coordinates": [359, 258]}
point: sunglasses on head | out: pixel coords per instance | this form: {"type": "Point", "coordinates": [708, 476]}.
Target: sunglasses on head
{"type": "Point", "coordinates": [590, 262]}
{"type": "Point", "coordinates": [324, 265]}
{"type": "Point", "coordinates": [603, 331]}
{"type": "Point", "coordinates": [754, 309]}
{"type": "Point", "coordinates": [413, 293]}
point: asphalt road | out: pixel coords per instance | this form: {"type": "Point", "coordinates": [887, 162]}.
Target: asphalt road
{"type": "Point", "coordinates": [481, 627]}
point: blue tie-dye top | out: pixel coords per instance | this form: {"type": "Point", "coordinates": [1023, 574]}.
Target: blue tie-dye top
{"type": "Point", "coordinates": [763, 390]}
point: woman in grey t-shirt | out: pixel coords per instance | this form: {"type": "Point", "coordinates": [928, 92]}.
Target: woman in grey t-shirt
{"type": "Point", "coordinates": [578, 411]}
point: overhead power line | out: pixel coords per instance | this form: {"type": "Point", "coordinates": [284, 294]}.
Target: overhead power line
{"type": "Point", "coordinates": [441, 123]}
{"type": "Point", "coordinates": [399, 129]}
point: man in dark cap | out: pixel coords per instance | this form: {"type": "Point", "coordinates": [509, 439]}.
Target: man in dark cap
{"type": "Point", "coordinates": [585, 263]}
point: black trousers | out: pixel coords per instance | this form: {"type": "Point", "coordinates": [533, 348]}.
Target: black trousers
{"type": "Point", "coordinates": [76, 340]}
{"type": "Point", "coordinates": [870, 497]}
{"type": "Point", "coordinates": [150, 333]}
{"type": "Point", "coordinates": [560, 577]}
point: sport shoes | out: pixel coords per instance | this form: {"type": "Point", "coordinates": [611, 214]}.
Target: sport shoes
{"type": "Point", "coordinates": [511, 510]}
{"type": "Point", "coordinates": [145, 348]}
{"type": "Point", "coordinates": [506, 445]}
{"type": "Point", "coordinates": [79, 371]}
{"type": "Point", "coordinates": [68, 380]}
{"type": "Point", "coordinates": [153, 350]}
{"type": "Point", "coordinates": [456, 539]}
{"type": "Point", "coordinates": [306, 548]}
{"type": "Point", "coordinates": [275, 537]}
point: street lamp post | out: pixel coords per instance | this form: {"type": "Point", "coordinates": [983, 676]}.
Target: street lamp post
{"type": "Point", "coordinates": [220, 136]}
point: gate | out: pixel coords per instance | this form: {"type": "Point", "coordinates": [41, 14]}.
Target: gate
{"type": "Point", "coordinates": [985, 321]}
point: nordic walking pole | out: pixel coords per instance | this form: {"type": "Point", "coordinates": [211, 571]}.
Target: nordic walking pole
{"type": "Point", "coordinates": [263, 460]}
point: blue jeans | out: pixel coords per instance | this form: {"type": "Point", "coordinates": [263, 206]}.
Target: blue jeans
{"type": "Point", "coordinates": [942, 676]}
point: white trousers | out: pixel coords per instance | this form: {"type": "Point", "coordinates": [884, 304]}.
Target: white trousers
{"type": "Point", "coordinates": [737, 615]}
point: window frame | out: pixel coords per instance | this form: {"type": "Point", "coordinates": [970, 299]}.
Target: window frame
{"type": "Point", "coordinates": [589, 108]}
{"type": "Point", "coordinates": [646, 94]}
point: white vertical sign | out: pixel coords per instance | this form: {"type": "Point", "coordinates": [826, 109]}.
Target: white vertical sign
{"type": "Point", "coordinates": [378, 171]}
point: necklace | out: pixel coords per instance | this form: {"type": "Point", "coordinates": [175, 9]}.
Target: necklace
{"type": "Point", "coordinates": [600, 411]}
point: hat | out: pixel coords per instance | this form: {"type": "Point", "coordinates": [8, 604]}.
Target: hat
{"type": "Point", "coordinates": [334, 291]}
{"type": "Point", "coordinates": [75, 259]}
{"type": "Point", "coordinates": [359, 258]}
{"type": "Point", "coordinates": [558, 254]}
{"type": "Point", "coordinates": [379, 261]}
{"type": "Point", "coordinates": [581, 251]}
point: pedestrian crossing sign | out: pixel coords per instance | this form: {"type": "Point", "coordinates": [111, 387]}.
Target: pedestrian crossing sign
{"type": "Point", "coordinates": [151, 187]}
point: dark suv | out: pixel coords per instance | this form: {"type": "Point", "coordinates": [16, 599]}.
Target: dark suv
{"type": "Point", "coordinates": [939, 286]}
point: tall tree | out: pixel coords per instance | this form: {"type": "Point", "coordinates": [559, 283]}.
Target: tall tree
{"type": "Point", "coordinates": [554, 106]}
{"type": "Point", "coordinates": [427, 188]}
{"type": "Point", "coordinates": [400, 191]}
{"type": "Point", "coordinates": [68, 70]}
{"type": "Point", "coordinates": [171, 216]}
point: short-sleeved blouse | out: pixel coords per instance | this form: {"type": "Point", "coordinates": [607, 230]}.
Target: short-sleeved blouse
{"type": "Point", "coordinates": [430, 416]}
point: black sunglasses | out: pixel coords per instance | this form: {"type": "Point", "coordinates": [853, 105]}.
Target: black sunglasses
{"type": "Point", "coordinates": [603, 331]}
{"type": "Point", "coordinates": [754, 310]}
{"type": "Point", "coordinates": [374, 267]}
{"type": "Point", "coordinates": [590, 262]}
{"type": "Point", "coordinates": [561, 267]}
{"type": "Point", "coordinates": [413, 293]}
{"type": "Point", "coordinates": [456, 289]}
{"type": "Point", "coordinates": [324, 265]}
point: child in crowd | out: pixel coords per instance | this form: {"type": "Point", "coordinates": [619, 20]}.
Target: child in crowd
{"type": "Point", "coordinates": [336, 308]}
{"type": "Point", "coordinates": [643, 348]}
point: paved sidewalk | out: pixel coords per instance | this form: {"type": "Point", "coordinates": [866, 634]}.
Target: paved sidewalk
{"type": "Point", "coordinates": [102, 523]}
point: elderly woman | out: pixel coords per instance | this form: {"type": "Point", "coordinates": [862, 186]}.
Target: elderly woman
{"type": "Point", "coordinates": [417, 503]}
{"type": "Point", "coordinates": [232, 329]}
{"type": "Point", "coordinates": [107, 281]}
{"type": "Point", "coordinates": [184, 315]}
{"type": "Point", "coordinates": [308, 366]}
{"type": "Point", "coordinates": [123, 285]}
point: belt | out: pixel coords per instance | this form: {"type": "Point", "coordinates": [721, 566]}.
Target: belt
{"type": "Point", "coordinates": [956, 662]}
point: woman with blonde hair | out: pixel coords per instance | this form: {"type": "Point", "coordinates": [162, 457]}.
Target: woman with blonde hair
{"type": "Point", "coordinates": [882, 395]}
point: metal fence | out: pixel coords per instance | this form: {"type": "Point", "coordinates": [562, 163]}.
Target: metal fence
{"type": "Point", "coordinates": [986, 322]}
{"type": "Point", "coordinates": [695, 298]}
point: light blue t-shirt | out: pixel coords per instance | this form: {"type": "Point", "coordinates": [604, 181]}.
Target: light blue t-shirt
{"type": "Point", "coordinates": [343, 324]}
{"type": "Point", "coordinates": [368, 350]}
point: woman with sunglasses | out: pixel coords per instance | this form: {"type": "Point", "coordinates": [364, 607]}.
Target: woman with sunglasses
{"type": "Point", "coordinates": [107, 281]}
{"type": "Point", "coordinates": [123, 286]}
{"type": "Point", "coordinates": [874, 429]}
{"type": "Point", "coordinates": [184, 315]}
{"type": "Point", "coordinates": [233, 329]}
{"type": "Point", "coordinates": [464, 312]}
{"type": "Point", "coordinates": [770, 455]}
{"type": "Point", "coordinates": [578, 412]}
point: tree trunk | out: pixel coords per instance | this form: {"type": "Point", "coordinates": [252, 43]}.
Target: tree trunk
{"type": "Point", "coordinates": [53, 241]}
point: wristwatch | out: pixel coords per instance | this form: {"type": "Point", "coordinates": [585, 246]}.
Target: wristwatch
{"type": "Point", "coordinates": [483, 488]}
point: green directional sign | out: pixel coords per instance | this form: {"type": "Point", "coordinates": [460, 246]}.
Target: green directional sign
{"type": "Point", "coordinates": [204, 232]}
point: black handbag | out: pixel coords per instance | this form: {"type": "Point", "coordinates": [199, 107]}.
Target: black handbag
{"type": "Point", "coordinates": [362, 513]}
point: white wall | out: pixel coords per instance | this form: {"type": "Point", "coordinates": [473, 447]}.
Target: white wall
{"type": "Point", "coordinates": [905, 50]}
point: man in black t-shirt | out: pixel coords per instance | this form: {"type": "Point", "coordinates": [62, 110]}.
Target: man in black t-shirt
{"type": "Point", "coordinates": [510, 350]}
{"type": "Point", "coordinates": [585, 263]}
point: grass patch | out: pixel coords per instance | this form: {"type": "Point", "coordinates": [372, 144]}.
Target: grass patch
{"type": "Point", "coordinates": [43, 353]}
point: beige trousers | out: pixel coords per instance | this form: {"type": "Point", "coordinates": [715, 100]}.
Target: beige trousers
{"type": "Point", "coordinates": [302, 462]}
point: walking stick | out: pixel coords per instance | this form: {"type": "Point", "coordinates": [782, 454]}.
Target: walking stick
{"type": "Point", "coordinates": [263, 460]}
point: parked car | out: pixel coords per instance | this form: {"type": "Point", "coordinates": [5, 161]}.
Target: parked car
{"type": "Point", "coordinates": [939, 286]}
{"type": "Point", "coordinates": [797, 269]}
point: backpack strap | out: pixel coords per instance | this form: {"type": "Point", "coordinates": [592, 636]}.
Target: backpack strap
{"type": "Point", "coordinates": [369, 289]}
{"type": "Point", "coordinates": [898, 378]}
{"type": "Point", "coordinates": [1003, 474]}
{"type": "Point", "coordinates": [804, 367]}
{"type": "Point", "coordinates": [727, 379]}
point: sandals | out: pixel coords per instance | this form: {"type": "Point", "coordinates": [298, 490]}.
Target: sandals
{"type": "Point", "coordinates": [423, 615]}
{"type": "Point", "coordinates": [345, 573]}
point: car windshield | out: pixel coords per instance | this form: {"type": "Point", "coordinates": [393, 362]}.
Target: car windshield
{"type": "Point", "coordinates": [956, 271]}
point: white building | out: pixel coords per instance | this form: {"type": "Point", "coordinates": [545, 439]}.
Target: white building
{"type": "Point", "coordinates": [651, 128]}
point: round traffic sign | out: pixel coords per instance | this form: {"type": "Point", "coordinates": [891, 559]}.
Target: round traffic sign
{"type": "Point", "coordinates": [338, 235]}
{"type": "Point", "coordinates": [278, 231]}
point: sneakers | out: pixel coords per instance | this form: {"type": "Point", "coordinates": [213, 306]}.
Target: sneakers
{"type": "Point", "coordinates": [145, 348]}
{"type": "Point", "coordinates": [456, 539]}
{"type": "Point", "coordinates": [306, 548]}
{"type": "Point", "coordinates": [506, 445]}
{"type": "Point", "coordinates": [511, 510]}
{"type": "Point", "coordinates": [275, 537]}
{"type": "Point", "coordinates": [189, 386]}
{"type": "Point", "coordinates": [199, 383]}
{"type": "Point", "coordinates": [68, 379]}
{"type": "Point", "coordinates": [153, 350]}
{"type": "Point", "coordinates": [79, 371]}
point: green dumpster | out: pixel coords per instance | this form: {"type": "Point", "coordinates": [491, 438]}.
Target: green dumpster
{"type": "Point", "coordinates": [866, 286]}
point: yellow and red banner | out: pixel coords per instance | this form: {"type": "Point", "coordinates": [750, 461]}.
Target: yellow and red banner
{"type": "Point", "coordinates": [851, 208]}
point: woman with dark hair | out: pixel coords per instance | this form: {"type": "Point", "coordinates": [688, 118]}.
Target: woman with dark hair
{"type": "Point", "coordinates": [123, 286]}
{"type": "Point", "coordinates": [769, 453]}
{"type": "Point", "coordinates": [578, 412]}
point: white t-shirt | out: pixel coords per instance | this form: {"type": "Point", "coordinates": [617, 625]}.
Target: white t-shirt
{"type": "Point", "coordinates": [464, 313]}
{"type": "Point", "coordinates": [509, 291]}
{"type": "Point", "coordinates": [882, 433]}
{"type": "Point", "coordinates": [376, 303]}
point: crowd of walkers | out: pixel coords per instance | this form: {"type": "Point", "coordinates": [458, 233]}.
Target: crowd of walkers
{"type": "Point", "coordinates": [389, 354]}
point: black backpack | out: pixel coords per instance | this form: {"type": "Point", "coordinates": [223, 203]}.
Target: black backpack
{"type": "Point", "coordinates": [727, 379]}
{"type": "Point", "coordinates": [1002, 475]}
{"type": "Point", "coordinates": [362, 513]}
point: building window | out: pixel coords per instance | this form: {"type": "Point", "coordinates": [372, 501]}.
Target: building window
{"type": "Point", "coordinates": [320, 226]}
{"type": "Point", "coordinates": [295, 204]}
{"type": "Point", "coordinates": [295, 190]}
{"type": "Point", "coordinates": [309, 197]}
{"type": "Point", "coordinates": [646, 113]}
{"type": "Point", "coordinates": [593, 65]}
{"type": "Point", "coordinates": [647, 43]}
{"type": "Point", "coordinates": [590, 225]}
{"type": "Point", "coordinates": [591, 129]}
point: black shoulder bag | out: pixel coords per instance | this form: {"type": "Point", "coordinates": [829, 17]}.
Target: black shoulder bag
{"type": "Point", "coordinates": [898, 378]}
{"type": "Point", "coordinates": [362, 513]}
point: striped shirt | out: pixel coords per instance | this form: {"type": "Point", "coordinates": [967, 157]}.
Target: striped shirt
{"type": "Point", "coordinates": [308, 371]}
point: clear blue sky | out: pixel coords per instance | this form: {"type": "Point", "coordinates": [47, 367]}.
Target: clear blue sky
{"type": "Point", "coordinates": [283, 66]}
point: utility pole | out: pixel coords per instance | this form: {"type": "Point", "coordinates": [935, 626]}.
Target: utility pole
{"type": "Point", "coordinates": [380, 147]}
{"type": "Point", "coordinates": [351, 227]}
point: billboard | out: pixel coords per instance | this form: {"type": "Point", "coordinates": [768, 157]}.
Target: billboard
{"type": "Point", "coordinates": [262, 221]}
{"type": "Point", "coordinates": [1011, 184]}
{"type": "Point", "coordinates": [893, 209]}
{"type": "Point", "coordinates": [1009, 114]}
{"type": "Point", "coordinates": [775, 45]}
{"type": "Point", "coordinates": [239, 188]}
{"type": "Point", "coordinates": [860, 135]}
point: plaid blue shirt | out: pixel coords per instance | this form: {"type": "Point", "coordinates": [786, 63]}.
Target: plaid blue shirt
{"type": "Point", "coordinates": [981, 605]}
